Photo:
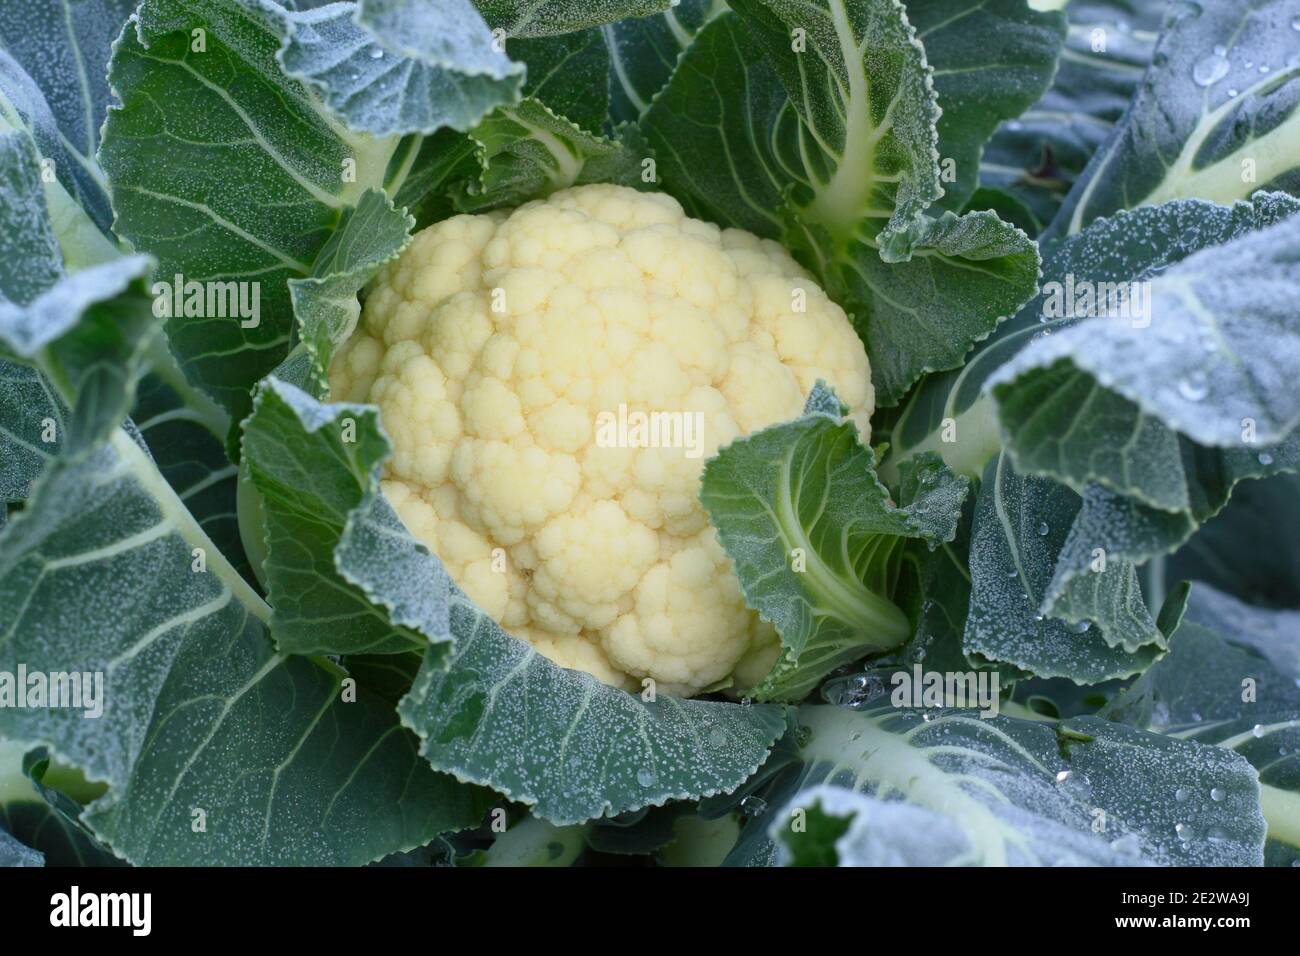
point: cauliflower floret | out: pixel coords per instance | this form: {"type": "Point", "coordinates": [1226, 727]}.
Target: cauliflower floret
{"type": "Point", "coordinates": [519, 360]}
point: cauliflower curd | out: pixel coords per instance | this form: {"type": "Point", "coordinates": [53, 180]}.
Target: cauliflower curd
{"type": "Point", "coordinates": [494, 343]}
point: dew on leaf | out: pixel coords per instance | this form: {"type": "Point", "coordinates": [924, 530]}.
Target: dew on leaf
{"type": "Point", "coordinates": [1210, 70]}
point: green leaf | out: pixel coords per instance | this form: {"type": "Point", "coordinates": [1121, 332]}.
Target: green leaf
{"type": "Point", "coordinates": [569, 73]}
{"type": "Point", "coordinates": [1214, 118]}
{"type": "Point", "coordinates": [342, 573]}
{"type": "Point", "coordinates": [190, 454]}
{"type": "Point", "coordinates": [643, 52]}
{"type": "Point", "coordinates": [1212, 690]}
{"type": "Point", "coordinates": [88, 332]}
{"type": "Point", "coordinates": [1249, 549]}
{"type": "Point", "coordinates": [528, 151]}
{"type": "Point", "coordinates": [970, 271]}
{"type": "Point", "coordinates": [249, 173]}
{"type": "Point", "coordinates": [63, 46]}
{"type": "Point", "coordinates": [845, 185]}
{"type": "Point", "coordinates": [400, 66]}
{"type": "Point", "coordinates": [991, 60]}
{"type": "Point", "coordinates": [1096, 629]}
{"type": "Point", "coordinates": [1126, 248]}
{"type": "Point", "coordinates": [816, 540]}
{"type": "Point", "coordinates": [539, 18]}
{"type": "Point", "coordinates": [567, 745]}
{"type": "Point", "coordinates": [1131, 532]}
{"type": "Point", "coordinates": [1210, 355]}
{"type": "Point", "coordinates": [188, 670]}
{"type": "Point", "coordinates": [325, 303]}
{"type": "Point", "coordinates": [1037, 156]}
{"type": "Point", "coordinates": [427, 169]}
{"type": "Point", "coordinates": [959, 790]}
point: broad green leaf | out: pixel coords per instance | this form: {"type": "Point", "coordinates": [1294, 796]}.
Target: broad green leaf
{"type": "Point", "coordinates": [952, 413]}
{"type": "Point", "coordinates": [63, 46]}
{"type": "Point", "coordinates": [724, 101]}
{"type": "Point", "coordinates": [863, 91]}
{"type": "Point", "coordinates": [1215, 117]}
{"type": "Point", "coordinates": [400, 66]}
{"type": "Point", "coordinates": [189, 451]}
{"type": "Point", "coordinates": [967, 272]}
{"type": "Point", "coordinates": [816, 540]}
{"type": "Point", "coordinates": [1037, 155]}
{"type": "Point", "coordinates": [30, 413]}
{"type": "Point", "coordinates": [569, 73]}
{"type": "Point", "coordinates": [567, 745]}
{"type": "Point", "coordinates": [199, 712]}
{"type": "Point", "coordinates": [843, 182]}
{"type": "Point", "coordinates": [342, 573]}
{"type": "Point", "coordinates": [88, 332]}
{"type": "Point", "coordinates": [247, 175]}
{"type": "Point", "coordinates": [325, 303]}
{"type": "Point", "coordinates": [643, 52]}
{"type": "Point", "coordinates": [1249, 550]}
{"type": "Point", "coordinates": [1214, 691]}
{"type": "Point", "coordinates": [991, 60]}
{"type": "Point", "coordinates": [1268, 631]}
{"type": "Point", "coordinates": [1211, 354]}
{"type": "Point", "coordinates": [424, 169]}
{"type": "Point", "coordinates": [528, 151]}
{"type": "Point", "coordinates": [539, 18]}
{"type": "Point", "coordinates": [1097, 629]}
{"type": "Point", "coordinates": [1134, 533]}
{"type": "Point", "coordinates": [1001, 791]}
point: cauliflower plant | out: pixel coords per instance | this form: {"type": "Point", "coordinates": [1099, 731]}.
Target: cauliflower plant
{"type": "Point", "coordinates": [495, 343]}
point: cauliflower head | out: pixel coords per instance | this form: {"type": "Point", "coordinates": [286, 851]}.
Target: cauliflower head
{"type": "Point", "coordinates": [518, 360]}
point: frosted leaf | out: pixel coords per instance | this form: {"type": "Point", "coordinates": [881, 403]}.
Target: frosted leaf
{"type": "Point", "coordinates": [567, 745]}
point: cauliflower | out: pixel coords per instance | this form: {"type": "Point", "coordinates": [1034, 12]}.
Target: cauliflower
{"type": "Point", "coordinates": [517, 359]}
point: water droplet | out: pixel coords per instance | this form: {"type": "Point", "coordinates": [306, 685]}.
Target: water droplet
{"type": "Point", "coordinates": [646, 777]}
{"type": "Point", "coordinates": [1295, 24]}
{"type": "Point", "coordinates": [1216, 795]}
{"type": "Point", "coordinates": [1220, 50]}
{"type": "Point", "coordinates": [1193, 388]}
{"type": "Point", "coordinates": [1210, 70]}
{"type": "Point", "coordinates": [1232, 92]}
{"type": "Point", "coordinates": [1043, 529]}
{"type": "Point", "coordinates": [803, 735]}
{"type": "Point", "coordinates": [1013, 573]}
{"type": "Point", "coordinates": [1184, 832]}
{"type": "Point", "coordinates": [717, 737]}
{"type": "Point", "coordinates": [1181, 794]}
{"type": "Point", "coordinates": [1265, 459]}
{"type": "Point", "coordinates": [1076, 785]}
{"type": "Point", "coordinates": [1263, 69]}
{"type": "Point", "coordinates": [1258, 730]}
{"type": "Point", "coordinates": [855, 690]}
{"type": "Point", "coordinates": [1081, 627]}
{"type": "Point", "coordinates": [376, 54]}
{"type": "Point", "coordinates": [753, 806]}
